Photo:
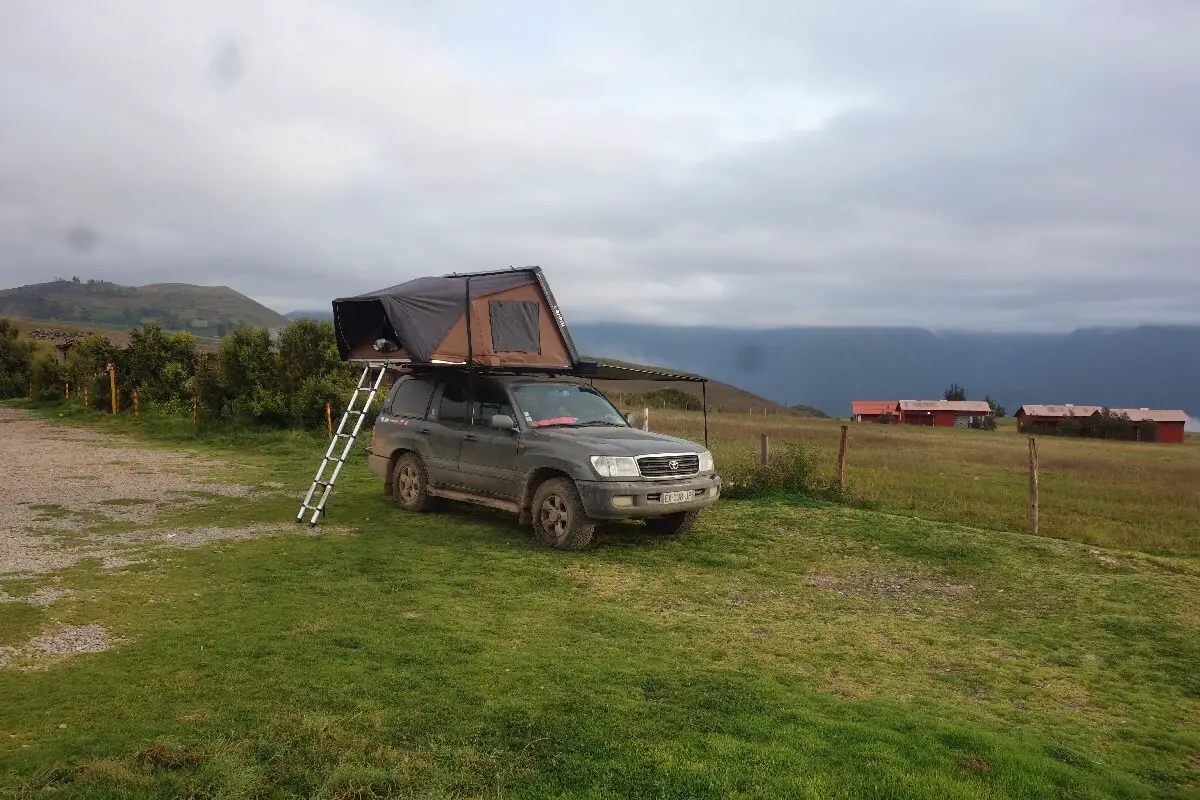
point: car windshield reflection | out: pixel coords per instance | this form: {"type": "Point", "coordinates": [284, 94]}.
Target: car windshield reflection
{"type": "Point", "coordinates": [566, 405]}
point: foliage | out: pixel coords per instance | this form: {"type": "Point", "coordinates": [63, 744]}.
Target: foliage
{"type": "Point", "coordinates": [16, 358]}
{"type": "Point", "coordinates": [997, 409]}
{"type": "Point", "coordinates": [954, 392]}
{"type": "Point", "coordinates": [659, 398]}
{"type": "Point", "coordinates": [1106, 424]}
{"type": "Point", "coordinates": [792, 470]}
{"type": "Point", "coordinates": [46, 378]}
{"type": "Point", "coordinates": [886, 418]}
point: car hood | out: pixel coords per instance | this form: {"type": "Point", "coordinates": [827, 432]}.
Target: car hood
{"type": "Point", "coordinates": [616, 441]}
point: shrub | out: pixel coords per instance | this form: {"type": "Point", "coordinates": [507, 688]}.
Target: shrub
{"type": "Point", "coordinates": [16, 361]}
{"type": "Point", "coordinates": [792, 470]}
{"type": "Point", "coordinates": [46, 378]}
{"type": "Point", "coordinates": [886, 418]}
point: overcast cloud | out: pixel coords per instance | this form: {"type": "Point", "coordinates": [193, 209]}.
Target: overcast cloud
{"type": "Point", "coordinates": [1009, 165]}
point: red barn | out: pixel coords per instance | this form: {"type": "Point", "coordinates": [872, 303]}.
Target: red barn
{"type": "Point", "coordinates": [871, 410]}
{"type": "Point", "coordinates": [943, 413]}
{"type": "Point", "coordinates": [1040, 419]}
{"type": "Point", "coordinates": [1168, 424]}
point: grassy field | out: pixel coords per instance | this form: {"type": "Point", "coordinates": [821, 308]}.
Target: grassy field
{"type": "Point", "coordinates": [782, 650]}
{"type": "Point", "coordinates": [1117, 494]}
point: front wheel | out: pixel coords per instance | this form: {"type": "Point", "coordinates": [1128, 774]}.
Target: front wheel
{"type": "Point", "coordinates": [410, 484]}
{"type": "Point", "coordinates": [559, 519]}
{"type": "Point", "coordinates": [682, 522]}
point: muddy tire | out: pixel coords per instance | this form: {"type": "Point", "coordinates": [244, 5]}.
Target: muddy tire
{"type": "Point", "coordinates": [559, 519]}
{"type": "Point", "coordinates": [682, 522]}
{"type": "Point", "coordinates": [410, 484]}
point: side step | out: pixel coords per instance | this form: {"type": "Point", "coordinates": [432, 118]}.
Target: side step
{"type": "Point", "coordinates": [476, 499]}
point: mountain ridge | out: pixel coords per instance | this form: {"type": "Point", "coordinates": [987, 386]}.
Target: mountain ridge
{"type": "Point", "coordinates": [207, 311]}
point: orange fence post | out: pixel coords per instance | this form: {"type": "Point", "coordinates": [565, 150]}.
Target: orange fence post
{"type": "Point", "coordinates": [135, 403]}
{"type": "Point", "coordinates": [329, 419]}
{"type": "Point", "coordinates": [112, 383]}
{"type": "Point", "coordinates": [85, 404]}
{"type": "Point", "coordinates": [67, 390]}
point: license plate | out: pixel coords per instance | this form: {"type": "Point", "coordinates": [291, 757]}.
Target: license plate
{"type": "Point", "coordinates": [677, 497]}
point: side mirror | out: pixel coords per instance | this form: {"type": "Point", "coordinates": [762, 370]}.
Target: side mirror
{"type": "Point", "coordinates": [503, 422]}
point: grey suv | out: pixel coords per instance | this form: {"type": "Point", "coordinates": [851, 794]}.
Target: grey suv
{"type": "Point", "coordinates": [554, 451]}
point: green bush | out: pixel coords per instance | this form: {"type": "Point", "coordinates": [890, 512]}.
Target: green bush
{"type": "Point", "coordinates": [47, 379]}
{"type": "Point", "coordinates": [16, 361]}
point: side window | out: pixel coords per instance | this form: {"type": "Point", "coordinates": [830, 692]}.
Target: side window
{"type": "Point", "coordinates": [410, 398]}
{"type": "Point", "coordinates": [490, 400]}
{"type": "Point", "coordinates": [453, 407]}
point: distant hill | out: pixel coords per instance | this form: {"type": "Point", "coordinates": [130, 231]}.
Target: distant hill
{"type": "Point", "coordinates": [207, 311]}
{"type": "Point", "coordinates": [320, 316]}
{"type": "Point", "coordinates": [1148, 366]}
{"type": "Point", "coordinates": [720, 396]}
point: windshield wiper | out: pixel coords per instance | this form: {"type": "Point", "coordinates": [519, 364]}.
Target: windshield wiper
{"type": "Point", "coordinates": [599, 422]}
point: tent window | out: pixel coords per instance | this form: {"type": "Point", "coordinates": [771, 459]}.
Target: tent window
{"type": "Point", "coordinates": [516, 326]}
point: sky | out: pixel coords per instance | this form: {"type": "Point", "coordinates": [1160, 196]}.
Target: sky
{"type": "Point", "coordinates": [1004, 165]}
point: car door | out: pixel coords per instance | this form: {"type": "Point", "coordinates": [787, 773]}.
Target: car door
{"type": "Point", "coordinates": [488, 459]}
{"type": "Point", "coordinates": [445, 431]}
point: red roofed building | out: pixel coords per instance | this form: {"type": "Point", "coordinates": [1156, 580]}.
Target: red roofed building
{"type": "Point", "coordinates": [871, 410]}
{"type": "Point", "coordinates": [943, 413]}
{"type": "Point", "coordinates": [1168, 424]}
{"type": "Point", "coordinates": [1044, 419]}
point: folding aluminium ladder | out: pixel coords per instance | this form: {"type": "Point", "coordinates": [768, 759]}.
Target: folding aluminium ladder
{"type": "Point", "coordinates": [368, 384]}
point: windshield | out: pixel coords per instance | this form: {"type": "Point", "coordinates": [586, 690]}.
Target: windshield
{"type": "Point", "coordinates": [565, 404]}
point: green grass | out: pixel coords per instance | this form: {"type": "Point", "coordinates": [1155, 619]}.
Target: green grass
{"type": "Point", "coordinates": [1115, 494]}
{"type": "Point", "coordinates": [781, 650]}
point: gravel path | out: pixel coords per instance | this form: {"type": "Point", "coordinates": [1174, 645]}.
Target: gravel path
{"type": "Point", "coordinates": [59, 479]}
{"type": "Point", "coordinates": [62, 485]}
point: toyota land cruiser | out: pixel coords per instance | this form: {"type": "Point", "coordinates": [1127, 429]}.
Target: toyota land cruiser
{"type": "Point", "coordinates": [554, 451]}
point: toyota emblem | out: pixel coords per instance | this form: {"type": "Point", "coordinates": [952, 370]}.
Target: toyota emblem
{"type": "Point", "coordinates": [673, 464]}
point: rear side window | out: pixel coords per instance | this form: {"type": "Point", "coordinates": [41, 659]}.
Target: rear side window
{"type": "Point", "coordinates": [453, 407]}
{"type": "Point", "coordinates": [411, 398]}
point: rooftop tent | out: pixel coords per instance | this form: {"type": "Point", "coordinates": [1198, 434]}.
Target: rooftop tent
{"type": "Point", "coordinates": [491, 319]}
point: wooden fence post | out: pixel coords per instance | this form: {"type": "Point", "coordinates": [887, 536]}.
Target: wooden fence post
{"type": "Point", "coordinates": [135, 404]}
{"type": "Point", "coordinates": [196, 413]}
{"type": "Point", "coordinates": [112, 383]}
{"type": "Point", "coordinates": [67, 390]}
{"type": "Point", "coordinates": [646, 419]}
{"type": "Point", "coordinates": [329, 419]}
{"type": "Point", "coordinates": [1033, 485]}
{"type": "Point", "coordinates": [764, 453]}
{"type": "Point", "coordinates": [85, 402]}
{"type": "Point", "coordinates": [842, 459]}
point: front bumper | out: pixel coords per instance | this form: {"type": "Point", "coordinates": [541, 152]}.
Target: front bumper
{"type": "Point", "coordinates": [598, 497]}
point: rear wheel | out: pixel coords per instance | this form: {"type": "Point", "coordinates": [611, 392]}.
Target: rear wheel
{"type": "Point", "coordinates": [410, 484]}
{"type": "Point", "coordinates": [682, 522]}
{"type": "Point", "coordinates": [559, 519]}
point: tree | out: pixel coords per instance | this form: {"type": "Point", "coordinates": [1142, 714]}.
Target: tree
{"type": "Point", "coordinates": [955, 392]}
{"type": "Point", "coordinates": [997, 409]}
{"type": "Point", "coordinates": [16, 358]}
{"type": "Point", "coordinates": [85, 366]}
{"type": "Point", "coordinates": [307, 349]}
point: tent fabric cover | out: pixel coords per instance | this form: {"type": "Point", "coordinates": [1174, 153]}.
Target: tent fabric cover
{"type": "Point", "coordinates": [420, 314]}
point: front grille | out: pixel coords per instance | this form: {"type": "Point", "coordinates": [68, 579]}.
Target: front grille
{"type": "Point", "coordinates": [669, 466]}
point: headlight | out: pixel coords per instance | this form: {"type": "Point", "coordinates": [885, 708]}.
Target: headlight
{"type": "Point", "coordinates": [706, 462]}
{"type": "Point", "coordinates": [615, 467]}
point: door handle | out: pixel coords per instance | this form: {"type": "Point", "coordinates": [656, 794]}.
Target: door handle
{"type": "Point", "coordinates": [471, 438]}
{"type": "Point", "coordinates": [423, 430]}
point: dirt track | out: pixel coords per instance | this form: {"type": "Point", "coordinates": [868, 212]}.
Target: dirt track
{"type": "Point", "coordinates": [65, 486]}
